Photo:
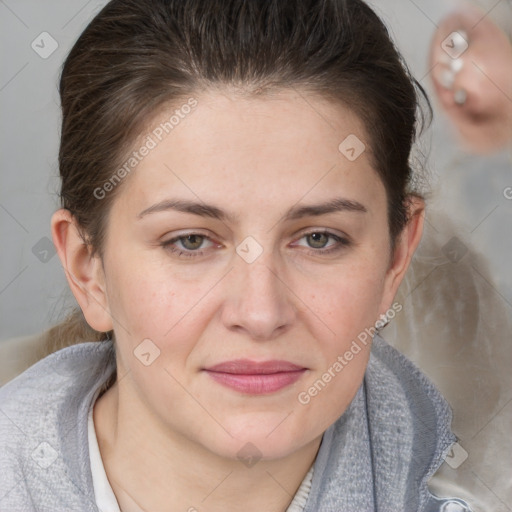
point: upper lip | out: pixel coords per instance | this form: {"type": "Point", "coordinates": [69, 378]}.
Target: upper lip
{"type": "Point", "coordinates": [248, 367]}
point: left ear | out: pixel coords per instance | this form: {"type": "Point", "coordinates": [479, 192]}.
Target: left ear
{"type": "Point", "coordinates": [406, 245]}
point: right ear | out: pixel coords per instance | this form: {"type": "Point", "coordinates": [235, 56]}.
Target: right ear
{"type": "Point", "coordinates": [84, 272]}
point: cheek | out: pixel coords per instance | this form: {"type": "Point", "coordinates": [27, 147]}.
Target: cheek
{"type": "Point", "coordinates": [151, 300]}
{"type": "Point", "coordinates": [349, 307]}
{"type": "Point", "coordinates": [154, 307]}
{"type": "Point", "coordinates": [349, 301]}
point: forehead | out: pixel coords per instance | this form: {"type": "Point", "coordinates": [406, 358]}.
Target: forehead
{"type": "Point", "coordinates": [253, 151]}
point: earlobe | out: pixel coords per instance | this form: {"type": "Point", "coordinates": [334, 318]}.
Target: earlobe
{"type": "Point", "coordinates": [83, 270]}
{"type": "Point", "coordinates": [405, 247]}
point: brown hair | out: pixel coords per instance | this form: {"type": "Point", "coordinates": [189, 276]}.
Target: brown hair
{"type": "Point", "coordinates": [135, 57]}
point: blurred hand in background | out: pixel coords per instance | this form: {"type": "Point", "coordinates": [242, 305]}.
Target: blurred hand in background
{"type": "Point", "coordinates": [471, 61]}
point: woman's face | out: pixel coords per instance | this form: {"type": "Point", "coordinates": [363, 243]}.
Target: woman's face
{"type": "Point", "coordinates": [222, 336]}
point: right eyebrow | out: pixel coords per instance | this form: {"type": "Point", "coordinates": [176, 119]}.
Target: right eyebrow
{"type": "Point", "coordinates": [185, 206]}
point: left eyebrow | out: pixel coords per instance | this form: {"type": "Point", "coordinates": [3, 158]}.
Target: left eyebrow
{"type": "Point", "coordinates": [338, 204]}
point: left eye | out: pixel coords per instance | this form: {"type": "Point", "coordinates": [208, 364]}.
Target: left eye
{"type": "Point", "coordinates": [317, 239]}
{"type": "Point", "coordinates": [192, 242]}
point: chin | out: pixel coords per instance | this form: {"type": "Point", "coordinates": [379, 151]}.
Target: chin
{"type": "Point", "coordinates": [258, 437]}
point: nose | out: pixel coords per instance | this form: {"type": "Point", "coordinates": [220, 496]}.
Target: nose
{"type": "Point", "coordinates": [259, 302]}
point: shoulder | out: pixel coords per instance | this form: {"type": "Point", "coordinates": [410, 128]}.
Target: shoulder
{"type": "Point", "coordinates": [53, 379]}
{"type": "Point", "coordinates": [41, 412]}
{"type": "Point", "coordinates": [411, 427]}
{"type": "Point", "coordinates": [410, 385]}
{"type": "Point", "coordinates": [381, 452]}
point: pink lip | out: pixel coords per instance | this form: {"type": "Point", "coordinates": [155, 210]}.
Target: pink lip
{"type": "Point", "coordinates": [256, 378]}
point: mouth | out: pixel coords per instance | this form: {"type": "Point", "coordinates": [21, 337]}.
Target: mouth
{"type": "Point", "coordinates": [256, 378]}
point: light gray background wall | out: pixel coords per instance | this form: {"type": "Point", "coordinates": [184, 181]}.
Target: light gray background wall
{"type": "Point", "coordinates": [33, 291]}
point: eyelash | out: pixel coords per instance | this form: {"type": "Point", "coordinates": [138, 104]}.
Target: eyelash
{"type": "Point", "coordinates": [342, 243]}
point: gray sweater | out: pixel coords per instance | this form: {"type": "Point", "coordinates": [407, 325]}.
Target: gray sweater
{"type": "Point", "coordinates": [378, 456]}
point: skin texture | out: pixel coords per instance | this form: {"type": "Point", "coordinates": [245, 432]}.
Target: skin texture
{"type": "Point", "coordinates": [168, 433]}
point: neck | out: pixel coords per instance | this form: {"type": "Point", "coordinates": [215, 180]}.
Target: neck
{"type": "Point", "coordinates": [151, 468]}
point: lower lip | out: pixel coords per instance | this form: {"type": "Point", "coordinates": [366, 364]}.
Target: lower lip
{"type": "Point", "coordinates": [257, 384]}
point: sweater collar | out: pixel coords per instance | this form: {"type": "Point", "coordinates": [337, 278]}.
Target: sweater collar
{"type": "Point", "coordinates": [380, 454]}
